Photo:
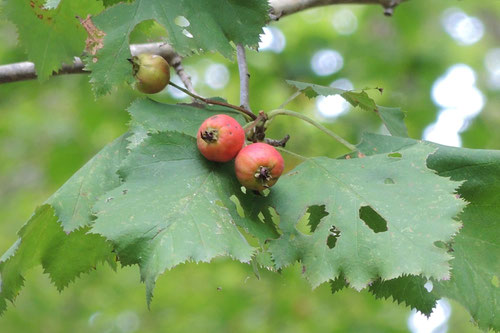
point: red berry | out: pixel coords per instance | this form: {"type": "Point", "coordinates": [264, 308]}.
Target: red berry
{"type": "Point", "coordinates": [152, 73]}
{"type": "Point", "coordinates": [258, 166]}
{"type": "Point", "coordinates": [220, 138]}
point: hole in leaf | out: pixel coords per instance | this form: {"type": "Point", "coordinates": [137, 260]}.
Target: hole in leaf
{"type": "Point", "coordinates": [397, 155]}
{"type": "Point", "coordinates": [389, 181]}
{"type": "Point", "coordinates": [443, 245]}
{"type": "Point", "coordinates": [243, 189]}
{"type": "Point", "coordinates": [316, 213]}
{"type": "Point", "coordinates": [331, 241]}
{"type": "Point", "coordinates": [239, 208]}
{"type": "Point", "coordinates": [220, 203]}
{"type": "Point", "coordinates": [302, 225]}
{"type": "Point", "coordinates": [372, 219]}
{"type": "Point", "coordinates": [275, 217]}
{"type": "Point", "coordinates": [310, 220]}
{"type": "Point", "coordinates": [251, 239]}
{"type": "Point", "coordinates": [187, 33]}
{"type": "Point", "coordinates": [181, 21]}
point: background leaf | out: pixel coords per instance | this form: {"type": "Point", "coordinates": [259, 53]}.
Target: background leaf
{"type": "Point", "coordinates": [192, 26]}
{"type": "Point", "coordinates": [59, 35]}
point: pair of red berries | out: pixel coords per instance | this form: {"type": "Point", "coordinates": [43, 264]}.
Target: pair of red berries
{"type": "Point", "coordinates": [258, 165]}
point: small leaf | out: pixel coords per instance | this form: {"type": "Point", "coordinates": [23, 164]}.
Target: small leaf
{"type": "Point", "coordinates": [360, 99]}
{"type": "Point", "coordinates": [408, 289]}
{"type": "Point", "coordinates": [393, 119]}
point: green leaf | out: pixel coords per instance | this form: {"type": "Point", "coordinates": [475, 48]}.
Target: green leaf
{"type": "Point", "coordinates": [211, 26]}
{"type": "Point", "coordinates": [51, 36]}
{"type": "Point", "coordinates": [148, 116]}
{"type": "Point", "coordinates": [63, 256]}
{"type": "Point", "coordinates": [408, 289]}
{"type": "Point", "coordinates": [73, 201]}
{"type": "Point", "coordinates": [393, 119]}
{"type": "Point", "coordinates": [360, 99]}
{"type": "Point", "coordinates": [475, 269]}
{"type": "Point", "coordinates": [417, 207]}
{"type": "Point", "coordinates": [171, 208]}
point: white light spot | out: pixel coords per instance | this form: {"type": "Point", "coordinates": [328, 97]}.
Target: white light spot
{"type": "Point", "coordinates": [456, 89]}
{"type": "Point", "coordinates": [436, 323]}
{"type": "Point", "coordinates": [334, 106]}
{"type": "Point", "coordinates": [127, 322]}
{"type": "Point", "coordinates": [181, 21]}
{"type": "Point", "coordinates": [272, 40]}
{"type": "Point", "coordinates": [326, 62]}
{"type": "Point", "coordinates": [217, 76]}
{"type": "Point", "coordinates": [466, 30]}
{"type": "Point", "coordinates": [428, 286]}
{"type": "Point", "coordinates": [187, 33]}
{"type": "Point", "coordinates": [345, 22]}
{"type": "Point", "coordinates": [461, 100]}
{"type": "Point", "coordinates": [492, 64]}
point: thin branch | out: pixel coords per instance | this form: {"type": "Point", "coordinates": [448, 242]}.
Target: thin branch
{"type": "Point", "coordinates": [300, 157]}
{"type": "Point", "coordinates": [244, 76]}
{"type": "Point", "coordinates": [179, 69]}
{"type": "Point", "coordinates": [280, 8]}
{"type": "Point", "coordinates": [26, 70]}
{"type": "Point", "coordinates": [211, 101]}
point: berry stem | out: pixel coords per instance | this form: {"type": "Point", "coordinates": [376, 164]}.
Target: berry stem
{"type": "Point", "coordinates": [211, 101]}
{"type": "Point", "coordinates": [337, 137]}
{"type": "Point", "coordinates": [291, 153]}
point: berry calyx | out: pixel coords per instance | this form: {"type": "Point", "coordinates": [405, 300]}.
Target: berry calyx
{"type": "Point", "coordinates": [258, 166]}
{"type": "Point", "coordinates": [152, 73]}
{"type": "Point", "coordinates": [220, 138]}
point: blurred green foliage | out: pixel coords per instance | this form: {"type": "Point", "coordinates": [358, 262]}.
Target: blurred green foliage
{"type": "Point", "coordinates": [48, 130]}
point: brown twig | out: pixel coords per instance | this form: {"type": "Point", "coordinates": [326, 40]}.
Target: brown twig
{"type": "Point", "coordinates": [214, 102]}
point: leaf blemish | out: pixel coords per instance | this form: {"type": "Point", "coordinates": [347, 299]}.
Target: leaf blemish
{"type": "Point", "coordinates": [389, 181]}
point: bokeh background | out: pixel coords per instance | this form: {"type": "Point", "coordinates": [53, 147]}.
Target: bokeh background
{"type": "Point", "coordinates": [438, 60]}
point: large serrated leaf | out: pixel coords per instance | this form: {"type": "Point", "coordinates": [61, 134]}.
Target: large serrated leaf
{"type": "Point", "coordinates": [52, 36]}
{"type": "Point", "coordinates": [417, 206]}
{"type": "Point", "coordinates": [192, 26]}
{"type": "Point", "coordinates": [172, 207]}
{"type": "Point", "coordinates": [475, 267]}
{"type": "Point", "coordinates": [63, 256]}
{"type": "Point", "coordinates": [73, 201]}
{"type": "Point", "coordinates": [148, 116]}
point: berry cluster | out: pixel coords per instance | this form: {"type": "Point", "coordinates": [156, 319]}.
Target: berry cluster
{"type": "Point", "coordinates": [258, 166]}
